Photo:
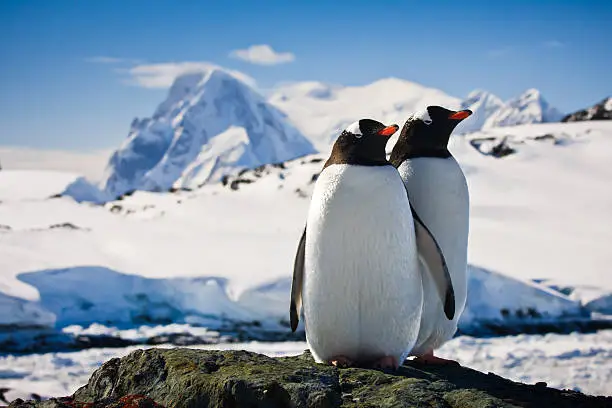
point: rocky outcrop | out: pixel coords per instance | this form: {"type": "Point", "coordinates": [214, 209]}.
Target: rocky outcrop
{"type": "Point", "coordinates": [181, 377]}
{"type": "Point", "coordinates": [600, 111]}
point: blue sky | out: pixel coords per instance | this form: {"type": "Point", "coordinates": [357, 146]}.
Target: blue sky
{"type": "Point", "coordinates": [67, 77]}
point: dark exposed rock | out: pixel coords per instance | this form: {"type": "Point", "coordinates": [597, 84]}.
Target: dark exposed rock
{"type": "Point", "coordinates": [499, 148]}
{"type": "Point", "coordinates": [4, 390]}
{"type": "Point", "coordinates": [502, 149]}
{"type": "Point", "coordinates": [600, 111]}
{"type": "Point", "coordinates": [178, 189]}
{"type": "Point", "coordinates": [224, 180]}
{"type": "Point", "coordinates": [65, 225]}
{"type": "Point", "coordinates": [235, 183]}
{"type": "Point", "coordinates": [301, 193]}
{"type": "Point", "coordinates": [198, 378]}
{"type": "Point", "coordinates": [547, 136]}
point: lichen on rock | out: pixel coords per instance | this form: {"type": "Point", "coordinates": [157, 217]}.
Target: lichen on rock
{"type": "Point", "coordinates": [182, 378]}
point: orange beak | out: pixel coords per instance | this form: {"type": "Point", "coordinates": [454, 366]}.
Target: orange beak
{"type": "Point", "coordinates": [460, 115]}
{"type": "Point", "coordinates": [389, 130]}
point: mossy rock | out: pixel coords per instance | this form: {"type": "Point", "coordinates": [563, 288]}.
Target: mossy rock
{"type": "Point", "coordinates": [182, 378]}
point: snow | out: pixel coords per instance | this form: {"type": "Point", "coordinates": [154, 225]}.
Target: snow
{"type": "Point", "coordinates": [541, 213]}
{"type": "Point", "coordinates": [210, 123]}
{"type": "Point", "coordinates": [321, 111]}
{"type": "Point", "coordinates": [483, 105]}
{"type": "Point", "coordinates": [142, 333]}
{"type": "Point", "coordinates": [608, 104]}
{"type": "Point", "coordinates": [95, 294]}
{"type": "Point", "coordinates": [17, 312]}
{"type": "Point", "coordinates": [494, 297]}
{"type": "Point", "coordinates": [201, 257]}
{"type": "Point", "coordinates": [595, 299]}
{"type": "Point", "coordinates": [489, 111]}
{"type": "Point", "coordinates": [83, 190]}
{"type": "Point", "coordinates": [575, 361]}
{"type": "Point", "coordinates": [20, 185]}
{"type": "Point", "coordinates": [423, 115]}
{"type": "Point", "coordinates": [354, 128]}
{"type": "Point", "coordinates": [225, 152]}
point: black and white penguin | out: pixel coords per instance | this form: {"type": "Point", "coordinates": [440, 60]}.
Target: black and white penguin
{"type": "Point", "coordinates": [438, 192]}
{"type": "Point", "coordinates": [356, 269]}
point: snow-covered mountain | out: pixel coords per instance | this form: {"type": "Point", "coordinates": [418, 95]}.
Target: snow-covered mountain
{"type": "Point", "coordinates": [211, 123]}
{"type": "Point", "coordinates": [600, 111]}
{"type": "Point", "coordinates": [320, 111]}
{"type": "Point", "coordinates": [530, 107]}
{"type": "Point", "coordinates": [491, 112]}
{"type": "Point", "coordinates": [483, 105]}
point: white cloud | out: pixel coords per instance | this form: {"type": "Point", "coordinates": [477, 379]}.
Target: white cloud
{"type": "Point", "coordinates": [111, 60]}
{"type": "Point", "coordinates": [262, 55]}
{"type": "Point", "coordinates": [553, 44]}
{"type": "Point", "coordinates": [162, 75]}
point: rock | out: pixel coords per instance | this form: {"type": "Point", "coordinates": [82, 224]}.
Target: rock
{"type": "Point", "coordinates": [181, 377]}
{"type": "Point", "coordinates": [599, 111]}
{"type": "Point", "coordinates": [491, 146]}
{"type": "Point", "coordinates": [235, 183]}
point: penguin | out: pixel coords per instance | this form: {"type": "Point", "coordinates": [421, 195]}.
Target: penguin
{"type": "Point", "coordinates": [356, 273]}
{"type": "Point", "coordinates": [438, 192]}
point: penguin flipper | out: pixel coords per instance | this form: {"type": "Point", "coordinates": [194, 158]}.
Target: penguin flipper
{"type": "Point", "coordinates": [296, 284]}
{"type": "Point", "coordinates": [431, 254]}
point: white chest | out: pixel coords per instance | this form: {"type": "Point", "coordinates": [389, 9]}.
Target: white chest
{"type": "Point", "coordinates": [362, 289]}
{"type": "Point", "coordinates": [438, 192]}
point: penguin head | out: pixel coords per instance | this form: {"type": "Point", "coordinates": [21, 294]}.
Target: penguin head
{"type": "Point", "coordinates": [426, 134]}
{"type": "Point", "coordinates": [362, 143]}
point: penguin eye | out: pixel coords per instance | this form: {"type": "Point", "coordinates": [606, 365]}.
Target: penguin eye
{"type": "Point", "coordinates": [358, 135]}
{"type": "Point", "coordinates": [427, 121]}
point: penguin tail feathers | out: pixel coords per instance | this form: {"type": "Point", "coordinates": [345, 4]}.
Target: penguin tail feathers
{"type": "Point", "coordinates": [295, 319]}
{"type": "Point", "coordinates": [449, 305]}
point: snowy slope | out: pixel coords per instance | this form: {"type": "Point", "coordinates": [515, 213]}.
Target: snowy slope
{"type": "Point", "coordinates": [322, 111]}
{"type": "Point", "coordinates": [227, 250]}
{"type": "Point", "coordinates": [210, 123]}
